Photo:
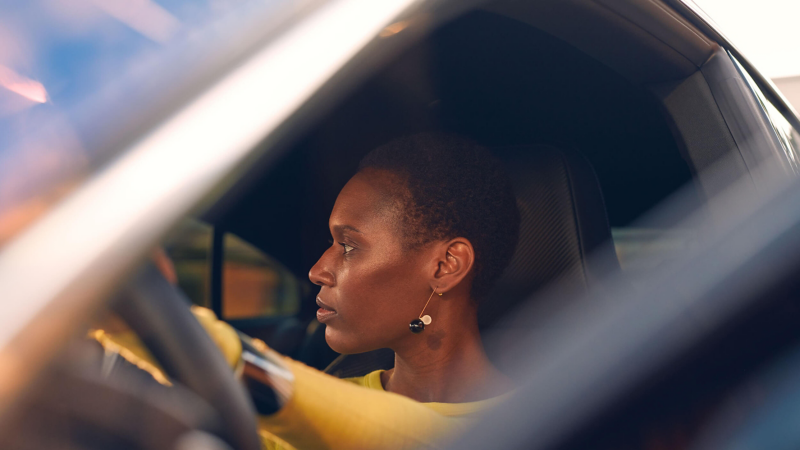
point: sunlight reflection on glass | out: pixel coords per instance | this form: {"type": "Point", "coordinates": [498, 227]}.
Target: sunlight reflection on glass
{"type": "Point", "coordinates": [394, 28]}
{"type": "Point", "coordinates": [76, 76]}
{"type": "Point", "coordinates": [144, 16]}
{"type": "Point", "coordinates": [14, 82]}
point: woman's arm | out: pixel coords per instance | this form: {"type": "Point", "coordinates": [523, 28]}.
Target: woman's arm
{"type": "Point", "coordinates": [318, 410]}
{"type": "Point", "coordinates": [326, 412]}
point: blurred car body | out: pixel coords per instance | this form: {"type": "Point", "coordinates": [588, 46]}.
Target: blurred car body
{"type": "Point", "coordinates": [253, 122]}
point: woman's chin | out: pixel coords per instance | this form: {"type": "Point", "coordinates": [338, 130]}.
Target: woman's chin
{"type": "Point", "coordinates": [345, 343]}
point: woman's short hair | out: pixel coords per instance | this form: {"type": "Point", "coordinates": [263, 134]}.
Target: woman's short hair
{"type": "Point", "coordinates": [453, 187]}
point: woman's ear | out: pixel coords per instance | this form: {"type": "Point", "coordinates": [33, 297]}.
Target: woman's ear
{"type": "Point", "coordinates": [456, 258]}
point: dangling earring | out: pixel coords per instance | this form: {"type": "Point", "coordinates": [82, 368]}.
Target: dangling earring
{"type": "Point", "coordinates": [417, 325]}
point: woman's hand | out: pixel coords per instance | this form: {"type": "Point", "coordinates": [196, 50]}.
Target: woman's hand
{"type": "Point", "coordinates": [224, 335]}
{"type": "Point", "coordinates": [117, 338]}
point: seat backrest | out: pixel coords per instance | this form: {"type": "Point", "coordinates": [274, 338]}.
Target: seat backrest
{"type": "Point", "coordinates": [562, 220]}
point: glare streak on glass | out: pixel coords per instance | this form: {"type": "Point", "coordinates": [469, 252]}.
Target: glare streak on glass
{"type": "Point", "coordinates": [394, 28]}
{"type": "Point", "coordinates": [144, 16]}
{"type": "Point", "coordinates": [16, 83]}
{"type": "Point", "coordinates": [74, 70]}
{"type": "Point", "coordinates": [78, 48]}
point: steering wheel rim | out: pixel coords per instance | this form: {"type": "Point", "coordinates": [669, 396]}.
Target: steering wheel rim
{"type": "Point", "coordinates": [159, 314]}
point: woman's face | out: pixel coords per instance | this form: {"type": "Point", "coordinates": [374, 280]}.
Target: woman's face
{"type": "Point", "coordinates": [371, 287]}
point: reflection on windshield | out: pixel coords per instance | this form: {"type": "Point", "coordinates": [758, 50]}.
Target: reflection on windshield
{"type": "Point", "coordinates": [73, 70]}
{"type": "Point", "coordinates": [55, 53]}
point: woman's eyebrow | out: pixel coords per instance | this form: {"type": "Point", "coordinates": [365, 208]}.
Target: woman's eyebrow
{"type": "Point", "coordinates": [343, 228]}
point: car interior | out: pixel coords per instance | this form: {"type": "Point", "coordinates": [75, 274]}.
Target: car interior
{"type": "Point", "coordinates": [599, 109]}
{"type": "Point", "coordinates": [574, 133]}
{"type": "Point", "coordinates": [596, 120]}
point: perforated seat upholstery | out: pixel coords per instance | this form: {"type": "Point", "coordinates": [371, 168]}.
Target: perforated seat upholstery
{"type": "Point", "coordinates": [563, 220]}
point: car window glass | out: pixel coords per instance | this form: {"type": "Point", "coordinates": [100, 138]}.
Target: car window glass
{"type": "Point", "coordinates": [189, 248]}
{"type": "Point", "coordinates": [254, 284]}
{"type": "Point", "coordinates": [642, 250]}
{"type": "Point", "coordinates": [790, 140]}
{"type": "Point", "coordinates": [787, 135]}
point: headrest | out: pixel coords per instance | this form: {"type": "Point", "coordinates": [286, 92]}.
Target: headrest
{"type": "Point", "coordinates": [562, 220]}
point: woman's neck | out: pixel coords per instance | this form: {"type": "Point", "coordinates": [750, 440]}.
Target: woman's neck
{"type": "Point", "coordinates": [445, 364]}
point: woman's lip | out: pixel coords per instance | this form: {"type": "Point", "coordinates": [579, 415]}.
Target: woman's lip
{"type": "Point", "coordinates": [322, 305]}
{"type": "Point", "coordinates": [325, 312]}
{"type": "Point", "coordinates": [323, 315]}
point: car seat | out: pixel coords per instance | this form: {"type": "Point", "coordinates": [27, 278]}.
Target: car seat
{"type": "Point", "coordinates": [562, 220]}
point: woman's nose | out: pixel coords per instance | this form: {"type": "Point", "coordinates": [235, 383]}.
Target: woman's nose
{"type": "Point", "coordinates": [320, 274]}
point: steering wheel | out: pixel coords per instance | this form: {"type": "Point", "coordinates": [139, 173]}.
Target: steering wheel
{"type": "Point", "coordinates": [159, 314]}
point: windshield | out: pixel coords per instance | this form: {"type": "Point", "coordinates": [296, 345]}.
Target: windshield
{"type": "Point", "coordinates": [81, 78]}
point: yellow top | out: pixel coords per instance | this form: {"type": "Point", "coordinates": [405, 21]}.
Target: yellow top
{"type": "Point", "coordinates": [373, 381]}
{"type": "Point", "coordinates": [328, 413]}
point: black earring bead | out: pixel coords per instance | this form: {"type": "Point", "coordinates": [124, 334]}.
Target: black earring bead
{"type": "Point", "coordinates": [416, 326]}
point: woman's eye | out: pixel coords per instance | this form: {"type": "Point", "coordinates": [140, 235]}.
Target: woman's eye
{"type": "Point", "coordinates": [347, 248]}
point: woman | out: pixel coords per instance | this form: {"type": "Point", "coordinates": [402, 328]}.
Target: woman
{"type": "Point", "coordinates": [420, 234]}
{"type": "Point", "coordinates": [421, 231]}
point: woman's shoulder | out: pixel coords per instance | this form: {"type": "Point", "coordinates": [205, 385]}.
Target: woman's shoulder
{"type": "Point", "coordinates": [371, 380]}
{"type": "Point", "coordinates": [467, 409]}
